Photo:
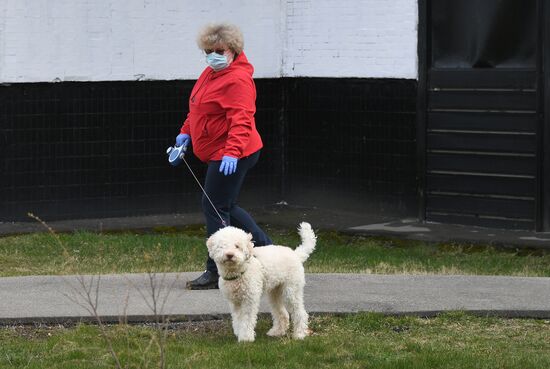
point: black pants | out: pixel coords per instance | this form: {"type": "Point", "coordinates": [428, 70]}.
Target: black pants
{"type": "Point", "coordinates": [223, 191]}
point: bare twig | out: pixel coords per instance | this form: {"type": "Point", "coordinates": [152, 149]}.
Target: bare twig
{"type": "Point", "coordinates": [52, 232]}
{"type": "Point", "coordinates": [90, 302]}
{"type": "Point", "coordinates": [156, 302]}
{"type": "Point", "coordinates": [86, 295]}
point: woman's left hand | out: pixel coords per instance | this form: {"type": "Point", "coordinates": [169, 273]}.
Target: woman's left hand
{"type": "Point", "coordinates": [228, 165]}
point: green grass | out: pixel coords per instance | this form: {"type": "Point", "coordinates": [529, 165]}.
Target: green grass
{"type": "Point", "coordinates": [454, 340]}
{"type": "Point", "coordinates": [184, 250]}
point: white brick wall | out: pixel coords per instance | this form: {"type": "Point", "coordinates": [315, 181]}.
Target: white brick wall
{"type": "Point", "coordinates": [351, 38]}
{"type": "Point", "coordinates": [95, 40]}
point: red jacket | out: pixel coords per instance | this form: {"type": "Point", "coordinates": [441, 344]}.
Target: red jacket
{"type": "Point", "coordinates": [221, 113]}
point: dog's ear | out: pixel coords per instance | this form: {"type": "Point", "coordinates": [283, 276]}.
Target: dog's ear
{"type": "Point", "coordinates": [210, 242]}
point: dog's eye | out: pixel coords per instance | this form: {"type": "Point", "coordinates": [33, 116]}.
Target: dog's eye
{"type": "Point", "coordinates": [237, 246]}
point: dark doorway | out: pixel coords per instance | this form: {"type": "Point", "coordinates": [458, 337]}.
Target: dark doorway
{"type": "Point", "coordinates": [481, 112]}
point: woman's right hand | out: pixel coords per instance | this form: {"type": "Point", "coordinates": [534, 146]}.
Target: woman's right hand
{"type": "Point", "coordinates": [183, 139]}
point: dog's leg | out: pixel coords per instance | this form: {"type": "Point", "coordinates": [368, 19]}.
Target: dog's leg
{"type": "Point", "coordinates": [279, 313]}
{"type": "Point", "coordinates": [294, 301]}
{"type": "Point", "coordinates": [235, 317]}
{"type": "Point", "coordinates": [248, 318]}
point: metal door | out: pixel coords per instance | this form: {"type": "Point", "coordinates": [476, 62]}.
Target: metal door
{"type": "Point", "coordinates": [480, 116]}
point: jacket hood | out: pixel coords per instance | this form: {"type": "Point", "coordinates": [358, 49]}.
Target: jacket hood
{"type": "Point", "coordinates": [240, 63]}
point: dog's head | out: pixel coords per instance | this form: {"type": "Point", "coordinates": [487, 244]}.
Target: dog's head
{"type": "Point", "coordinates": [230, 247]}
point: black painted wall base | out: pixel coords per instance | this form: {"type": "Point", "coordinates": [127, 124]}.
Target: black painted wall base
{"type": "Point", "coordinates": [97, 149]}
{"type": "Point", "coordinates": [351, 144]}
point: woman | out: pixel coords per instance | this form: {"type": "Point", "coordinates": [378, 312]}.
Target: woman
{"type": "Point", "coordinates": [221, 128]}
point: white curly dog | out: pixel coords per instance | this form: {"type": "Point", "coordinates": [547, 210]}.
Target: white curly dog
{"type": "Point", "coordinates": [247, 272]}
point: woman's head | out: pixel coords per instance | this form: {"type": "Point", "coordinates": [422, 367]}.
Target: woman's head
{"type": "Point", "coordinates": [220, 36]}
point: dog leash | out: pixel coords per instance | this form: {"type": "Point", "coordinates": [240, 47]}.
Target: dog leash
{"type": "Point", "coordinates": [204, 192]}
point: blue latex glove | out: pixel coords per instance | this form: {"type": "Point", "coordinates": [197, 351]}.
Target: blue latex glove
{"type": "Point", "coordinates": [183, 139]}
{"type": "Point", "coordinates": [228, 165]}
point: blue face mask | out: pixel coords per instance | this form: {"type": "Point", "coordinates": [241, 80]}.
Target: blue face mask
{"type": "Point", "coordinates": [216, 61]}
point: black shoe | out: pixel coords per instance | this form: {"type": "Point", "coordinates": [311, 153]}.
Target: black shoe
{"type": "Point", "coordinates": [207, 281]}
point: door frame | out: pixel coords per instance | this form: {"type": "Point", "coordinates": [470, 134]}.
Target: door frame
{"type": "Point", "coordinates": [422, 106]}
{"type": "Point", "coordinates": [544, 117]}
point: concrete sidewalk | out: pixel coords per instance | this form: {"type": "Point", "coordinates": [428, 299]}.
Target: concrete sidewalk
{"type": "Point", "coordinates": [59, 299]}
{"type": "Point", "coordinates": [52, 299]}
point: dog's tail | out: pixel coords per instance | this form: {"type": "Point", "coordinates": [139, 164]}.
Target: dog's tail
{"type": "Point", "coordinates": [308, 241]}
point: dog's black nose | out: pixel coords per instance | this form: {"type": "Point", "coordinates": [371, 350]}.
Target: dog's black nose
{"type": "Point", "coordinates": [229, 256]}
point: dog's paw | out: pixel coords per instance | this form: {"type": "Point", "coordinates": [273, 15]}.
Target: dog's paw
{"type": "Point", "coordinates": [246, 338]}
{"type": "Point", "coordinates": [300, 335]}
{"type": "Point", "coordinates": [276, 332]}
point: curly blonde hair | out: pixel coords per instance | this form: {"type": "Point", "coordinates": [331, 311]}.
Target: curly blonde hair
{"type": "Point", "coordinates": [215, 34]}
